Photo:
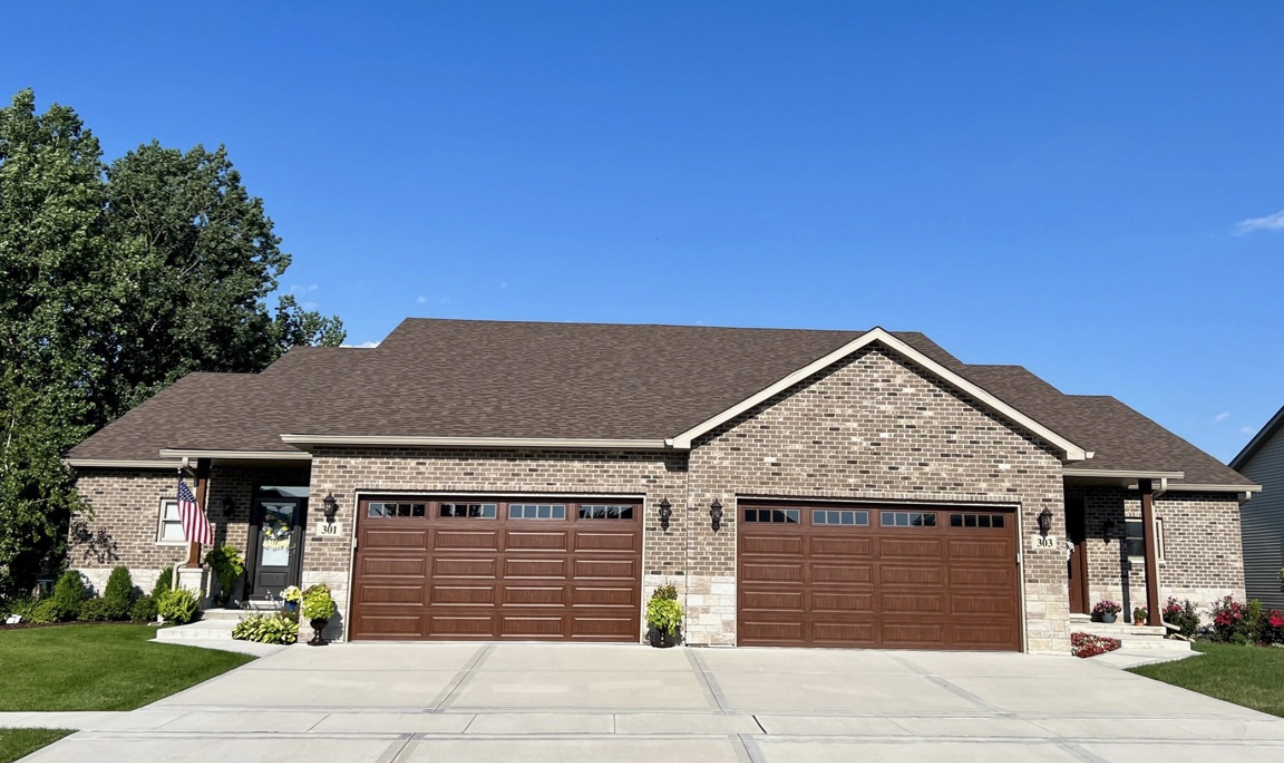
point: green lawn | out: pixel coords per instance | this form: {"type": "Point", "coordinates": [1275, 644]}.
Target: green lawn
{"type": "Point", "coordinates": [100, 667]}
{"type": "Point", "coordinates": [15, 743]}
{"type": "Point", "coordinates": [1248, 676]}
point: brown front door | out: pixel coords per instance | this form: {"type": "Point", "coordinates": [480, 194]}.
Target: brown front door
{"type": "Point", "coordinates": [894, 577]}
{"type": "Point", "coordinates": [1077, 565]}
{"type": "Point", "coordinates": [498, 568]}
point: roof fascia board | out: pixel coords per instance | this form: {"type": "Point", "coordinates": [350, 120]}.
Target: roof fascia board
{"type": "Point", "coordinates": [1258, 440]}
{"type": "Point", "coordinates": [308, 440]}
{"type": "Point", "coordinates": [1122, 474]}
{"type": "Point", "coordinates": [118, 463]}
{"type": "Point", "coordinates": [1191, 487]}
{"type": "Point", "coordinates": [245, 455]}
{"type": "Point", "coordinates": [1071, 451]}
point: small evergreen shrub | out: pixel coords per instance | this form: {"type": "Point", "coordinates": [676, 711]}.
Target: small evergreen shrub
{"type": "Point", "coordinates": [144, 610]}
{"type": "Point", "coordinates": [179, 606]}
{"type": "Point", "coordinates": [95, 610]}
{"type": "Point", "coordinates": [46, 611]}
{"type": "Point", "coordinates": [119, 595]}
{"type": "Point", "coordinates": [273, 628]}
{"type": "Point", "coordinates": [163, 582]}
{"type": "Point", "coordinates": [68, 595]}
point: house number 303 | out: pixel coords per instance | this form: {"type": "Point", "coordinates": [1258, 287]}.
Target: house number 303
{"type": "Point", "coordinates": [1043, 541]}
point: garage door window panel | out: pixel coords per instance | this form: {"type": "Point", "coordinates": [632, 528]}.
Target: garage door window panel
{"type": "Point", "coordinates": [536, 511]}
{"type": "Point", "coordinates": [468, 510]}
{"type": "Point", "coordinates": [908, 519]}
{"type": "Point", "coordinates": [773, 516]}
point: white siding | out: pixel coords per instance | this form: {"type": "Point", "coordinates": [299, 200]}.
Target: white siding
{"type": "Point", "coordinates": [1262, 524]}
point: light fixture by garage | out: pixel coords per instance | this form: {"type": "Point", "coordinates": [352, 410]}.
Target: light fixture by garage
{"type": "Point", "coordinates": [331, 508]}
{"type": "Point", "coordinates": [666, 512]}
{"type": "Point", "coordinates": [1045, 521]}
{"type": "Point", "coordinates": [715, 514]}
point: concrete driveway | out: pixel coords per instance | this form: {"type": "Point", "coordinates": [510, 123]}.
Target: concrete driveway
{"type": "Point", "coordinates": [385, 703]}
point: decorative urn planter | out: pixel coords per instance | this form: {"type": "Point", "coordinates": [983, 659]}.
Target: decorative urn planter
{"type": "Point", "coordinates": [318, 626]}
{"type": "Point", "coordinates": [1107, 617]}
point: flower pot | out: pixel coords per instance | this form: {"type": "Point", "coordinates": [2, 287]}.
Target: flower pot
{"type": "Point", "coordinates": [1108, 617]}
{"type": "Point", "coordinates": [317, 627]}
{"type": "Point", "coordinates": [662, 639]}
{"type": "Point", "coordinates": [292, 607]}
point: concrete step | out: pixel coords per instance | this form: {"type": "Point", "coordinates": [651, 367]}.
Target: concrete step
{"type": "Point", "coordinates": [220, 629]}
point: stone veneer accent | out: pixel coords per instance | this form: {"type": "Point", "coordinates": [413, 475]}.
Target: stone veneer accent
{"type": "Point", "coordinates": [1202, 561]}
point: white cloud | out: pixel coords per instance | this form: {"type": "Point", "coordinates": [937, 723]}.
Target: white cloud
{"type": "Point", "coordinates": [1247, 430]}
{"type": "Point", "coordinates": [298, 289]}
{"type": "Point", "coordinates": [363, 345]}
{"type": "Point", "coordinates": [1219, 418]}
{"type": "Point", "coordinates": [421, 300]}
{"type": "Point", "coordinates": [1270, 222]}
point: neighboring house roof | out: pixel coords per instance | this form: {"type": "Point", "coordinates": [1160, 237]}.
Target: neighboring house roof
{"type": "Point", "coordinates": [1260, 439]}
{"type": "Point", "coordinates": [605, 382]}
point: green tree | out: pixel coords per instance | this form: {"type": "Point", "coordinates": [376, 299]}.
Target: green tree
{"type": "Point", "coordinates": [114, 282]}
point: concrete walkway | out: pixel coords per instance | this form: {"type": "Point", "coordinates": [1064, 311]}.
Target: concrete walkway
{"type": "Point", "coordinates": [389, 703]}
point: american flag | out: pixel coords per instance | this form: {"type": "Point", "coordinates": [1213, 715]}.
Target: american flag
{"type": "Point", "coordinates": [195, 526]}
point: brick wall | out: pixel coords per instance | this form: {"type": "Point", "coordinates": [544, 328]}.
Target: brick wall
{"type": "Point", "coordinates": [873, 427]}
{"type": "Point", "coordinates": [653, 475]}
{"type": "Point", "coordinates": [1201, 535]}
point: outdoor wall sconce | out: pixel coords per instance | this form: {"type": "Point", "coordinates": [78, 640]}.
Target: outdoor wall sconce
{"type": "Point", "coordinates": [715, 514]}
{"type": "Point", "coordinates": [1045, 521]}
{"type": "Point", "coordinates": [1108, 530]}
{"type": "Point", "coordinates": [331, 508]}
{"type": "Point", "coordinates": [228, 503]}
{"type": "Point", "coordinates": [666, 512]}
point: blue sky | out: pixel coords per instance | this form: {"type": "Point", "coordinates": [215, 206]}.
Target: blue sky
{"type": "Point", "coordinates": [1059, 185]}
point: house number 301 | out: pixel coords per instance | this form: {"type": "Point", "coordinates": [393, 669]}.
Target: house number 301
{"type": "Point", "coordinates": [1043, 541]}
{"type": "Point", "coordinates": [331, 529]}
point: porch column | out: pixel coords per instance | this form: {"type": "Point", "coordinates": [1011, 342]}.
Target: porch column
{"type": "Point", "coordinates": [1154, 615]}
{"type": "Point", "coordinates": [201, 492]}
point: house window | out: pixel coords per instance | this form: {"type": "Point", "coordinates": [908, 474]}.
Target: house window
{"type": "Point", "coordinates": [171, 526]}
{"type": "Point", "coordinates": [1135, 539]}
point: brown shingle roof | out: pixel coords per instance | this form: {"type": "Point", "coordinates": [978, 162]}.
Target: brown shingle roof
{"type": "Point", "coordinates": [448, 378]}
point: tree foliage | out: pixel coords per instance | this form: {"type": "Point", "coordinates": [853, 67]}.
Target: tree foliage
{"type": "Point", "coordinates": [116, 280]}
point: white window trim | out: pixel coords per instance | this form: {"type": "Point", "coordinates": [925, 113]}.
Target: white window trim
{"type": "Point", "coordinates": [160, 523]}
{"type": "Point", "coordinates": [1158, 529]}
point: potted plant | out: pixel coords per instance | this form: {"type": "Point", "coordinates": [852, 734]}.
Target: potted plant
{"type": "Point", "coordinates": [1106, 610]}
{"type": "Point", "coordinates": [228, 566]}
{"type": "Point", "coordinates": [664, 616]}
{"type": "Point", "coordinates": [292, 596]}
{"type": "Point", "coordinates": [318, 608]}
{"type": "Point", "coordinates": [1140, 615]}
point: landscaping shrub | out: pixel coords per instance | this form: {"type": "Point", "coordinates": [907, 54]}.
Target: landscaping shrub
{"type": "Point", "coordinates": [318, 604]}
{"type": "Point", "coordinates": [665, 592]}
{"type": "Point", "coordinates": [228, 566]}
{"type": "Point", "coordinates": [68, 595]}
{"type": "Point", "coordinates": [24, 608]}
{"type": "Point", "coordinates": [1230, 623]}
{"type": "Point", "coordinates": [95, 610]}
{"type": "Point", "coordinates": [179, 606]}
{"type": "Point", "coordinates": [275, 628]}
{"type": "Point", "coordinates": [119, 595]}
{"type": "Point", "coordinates": [1183, 615]}
{"type": "Point", "coordinates": [1089, 645]}
{"type": "Point", "coordinates": [46, 611]}
{"type": "Point", "coordinates": [163, 582]}
{"type": "Point", "coordinates": [144, 610]}
{"type": "Point", "coordinates": [1270, 627]}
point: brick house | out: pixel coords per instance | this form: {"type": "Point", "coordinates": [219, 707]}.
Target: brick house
{"type": "Point", "coordinates": [491, 480]}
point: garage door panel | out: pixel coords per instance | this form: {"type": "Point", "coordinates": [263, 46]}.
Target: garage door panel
{"type": "Point", "coordinates": [461, 567]}
{"type": "Point", "coordinates": [771, 572]}
{"type": "Point", "coordinates": [771, 544]}
{"type": "Point", "coordinates": [463, 595]}
{"type": "Point", "coordinates": [538, 541]}
{"type": "Point", "coordinates": [394, 537]}
{"type": "Point", "coordinates": [785, 601]}
{"type": "Point", "coordinates": [890, 584]}
{"type": "Point", "coordinates": [586, 596]}
{"type": "Point", "coordinates": [398, 566]}
{"type": "Point", "coordinates": [849, 602]}
{"type": "Point", "coordinates": [467, 540]}
{"type": "Point", "coordinates": [855, 548]}
{"type": "Point", "coordinates": [899, 574]}
{"type": "Point", "coordinates": [841, 573]}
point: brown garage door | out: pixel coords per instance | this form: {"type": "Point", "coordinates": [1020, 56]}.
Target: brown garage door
{"type": "Point", "coordinates": [498, 568]}
{"type": "Point", "coordinates": [869, 576]}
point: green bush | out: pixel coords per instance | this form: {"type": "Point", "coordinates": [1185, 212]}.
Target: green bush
{"type": "Point", "coordinates": [665, 592]}
{"type": "Point", "coordinates": [163, 582]}
{"type": "Point", "coordinates": [95, 610]}
{"type": "Point", "coordinates": [179, 606]}
{"type": "Point", "coordinates": [144, 610]}
{"type": "Point", "coordinates": [119, 594]}
{"type": "Point", "coordinates": [1183, 615]}
{"type": "Point", "coordinates": [68, 595]}
{"type": "Point", "coordinates": [273, 628]}
{"type": "Point", "coordinates": [228, 566]}
{"type": "Point", "coordinates": [665, 615]}
{"type": "Point", "coordinates": [46, 611]}
{"type": "Point", "coordinates": [318, 604]}
{"type": "Point", "coordinates": [23, 608]}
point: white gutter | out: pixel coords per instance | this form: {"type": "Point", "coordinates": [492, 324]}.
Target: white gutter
{"type": "Point", "coordinates": [1191, 487]}
{"type": "Point", "coordinates": [1121, 474]}
{"type": "Point", "coordinates": [366, 441]}
{"type": "Point", "coordinates": [117, 463]}
{"type": "Point", "coordinates": [244, 455]}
